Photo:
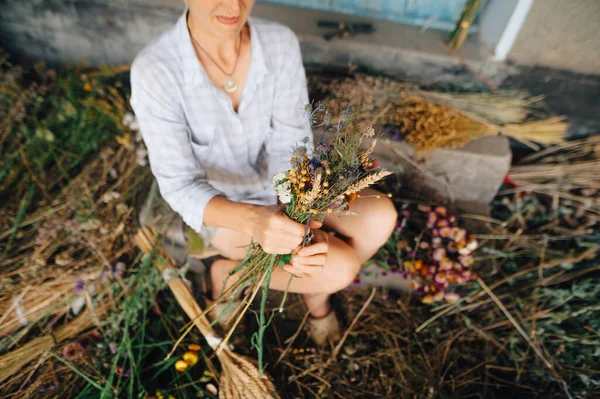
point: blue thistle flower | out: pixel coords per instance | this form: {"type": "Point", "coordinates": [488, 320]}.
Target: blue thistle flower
{"type": "Point", "coordinates": [321, 107]}
{"type": "Point", "coordinates": [350, 108]}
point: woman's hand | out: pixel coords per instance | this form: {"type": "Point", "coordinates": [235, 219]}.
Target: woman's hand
{"type": "Point", "coordinates": [312, 258]}
{"type": "Point", "coordinates": [275, 231]}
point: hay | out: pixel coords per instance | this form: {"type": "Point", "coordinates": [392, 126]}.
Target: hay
{"type": "Point", "coordinates": [239, 376]}
{"type": "Point", "coordinates": [13, 361]}
{"type": "Point", "coordinates": [568, 171]}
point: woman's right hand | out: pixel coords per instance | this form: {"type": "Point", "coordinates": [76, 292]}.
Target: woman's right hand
{"type": "Point", "coordinates": [274, 231]}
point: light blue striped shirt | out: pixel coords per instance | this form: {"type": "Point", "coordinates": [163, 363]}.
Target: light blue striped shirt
{"type": "Point", "coordinates": [198, 146]}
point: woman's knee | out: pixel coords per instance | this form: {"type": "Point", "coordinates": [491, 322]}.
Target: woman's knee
{"type": "Point", "coordinates": [347, 266]}
{"type": "Point", "coordinates": [379, 223]}
{"type": "Point", "coordinates": [385, 218]}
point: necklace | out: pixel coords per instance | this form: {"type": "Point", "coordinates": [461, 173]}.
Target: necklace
{"type": "Point", "coordinates": [230, 85]}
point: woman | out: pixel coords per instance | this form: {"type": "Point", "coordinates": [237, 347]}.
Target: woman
{"type": "Point", "coordinates": [219, 101]}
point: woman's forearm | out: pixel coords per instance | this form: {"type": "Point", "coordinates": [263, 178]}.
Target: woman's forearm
{"type": "Point", "coordinates": [222, 212]}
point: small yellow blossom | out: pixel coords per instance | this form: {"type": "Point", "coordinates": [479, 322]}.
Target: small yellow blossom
{"type": "Point", "coordinates": [181, 366]}
{"type": "Point", "coordinates": [194, 347]}
{"type": "Point", "coordinates": [87, 86]}
{"type": "Point", "coordinates": [190, 358]}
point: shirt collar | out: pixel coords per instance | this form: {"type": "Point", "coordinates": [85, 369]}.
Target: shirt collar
{"type": "Point", "coordinates": [193, 71]}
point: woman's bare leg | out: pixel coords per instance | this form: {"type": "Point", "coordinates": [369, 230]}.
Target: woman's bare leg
{"type": "Point", "coordinates": [360, 237]}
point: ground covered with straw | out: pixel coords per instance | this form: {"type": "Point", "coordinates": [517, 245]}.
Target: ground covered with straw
{"type": "Point", "coordinates": [85, 314]}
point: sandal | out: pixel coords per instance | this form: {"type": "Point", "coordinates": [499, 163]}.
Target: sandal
{"type": "Point", "coordinates": [325, 329]}
{"type": "Point", "coordinates": [328, 328]}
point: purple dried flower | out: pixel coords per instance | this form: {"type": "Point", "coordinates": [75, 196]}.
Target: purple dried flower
{"type": "Point", "coordinates": [394, 132]}
{"type": "Point", "coordinates": [119, 269]}
{"type": "Point", "coordinates": [50, 388]}
{"type": "Point", "coordinates": [79, 285]}
{"type": "Point", "coordinates": [113, 347]}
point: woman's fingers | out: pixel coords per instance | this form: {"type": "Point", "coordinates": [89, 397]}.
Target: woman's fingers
{"type": "Point", "coordinates": [313, 249]}
{"type": "Point", "coordinates": [303, 271]}
{"type": "Point", "coordinates": [319, 245]}
{"type": "Point", "coordinates": [313, 260]}
{"type": "Point", "coordinates": [315, 224]}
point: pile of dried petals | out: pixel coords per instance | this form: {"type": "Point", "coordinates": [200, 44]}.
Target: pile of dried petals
{"type": "Point", "coordinates": [431, 250]}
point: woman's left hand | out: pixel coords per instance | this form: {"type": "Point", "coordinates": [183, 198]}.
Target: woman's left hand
{"type": "Point", "coordinates": [312, 258]}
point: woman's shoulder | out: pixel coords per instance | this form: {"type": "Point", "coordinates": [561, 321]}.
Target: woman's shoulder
{"type": "Point", "coordinates": [156, 72]}
{"type": "Point", "coordinates": [157, 58]}
{"type": "Point", "coordinates": [278, 42]}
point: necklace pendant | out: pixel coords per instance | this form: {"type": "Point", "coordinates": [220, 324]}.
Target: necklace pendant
{"type": "Point", "coordinates": [230, 85]}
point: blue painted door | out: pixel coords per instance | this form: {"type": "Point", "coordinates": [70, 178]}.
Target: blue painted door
{"type": "Point", "coordinates": [437, 14]}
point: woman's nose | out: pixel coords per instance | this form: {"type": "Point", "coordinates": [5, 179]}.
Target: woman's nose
{"type": "Point", "coordinates": [232, 7]}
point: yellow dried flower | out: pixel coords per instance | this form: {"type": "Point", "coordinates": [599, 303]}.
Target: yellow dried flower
{"type": "Point", "coordinates": [194, 348]}
{"type": "Point", "coordinates": [181, 366]}
{"type": "Point", "coordinates": [190, 358]}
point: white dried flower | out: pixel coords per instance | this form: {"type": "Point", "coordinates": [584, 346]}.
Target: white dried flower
{"type": "Point", "coordinates": [279, 177]}
{"type": "Point", "coordinates": [284, 192]}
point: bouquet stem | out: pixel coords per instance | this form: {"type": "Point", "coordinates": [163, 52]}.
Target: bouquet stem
{"type": "Point", "coordinates": [262, 317]}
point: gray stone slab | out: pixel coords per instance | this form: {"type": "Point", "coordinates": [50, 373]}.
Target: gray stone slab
{"type": "Point", "coordinates": [468, 177]}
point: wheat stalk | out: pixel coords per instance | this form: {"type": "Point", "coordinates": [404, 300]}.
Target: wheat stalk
{"type": "Point", "coordinates": [314, 193]}
{"type": "Point", "coordinates": [366, 182]}
{"type": "Point", "coordinates": [365, 156]}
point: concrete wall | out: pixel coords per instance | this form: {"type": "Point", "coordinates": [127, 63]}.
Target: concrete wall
{"type": "Point", "coordinates": [112, 32]}
{"type": "Point", "coordinates": [563, 34]}
{"type": "Point", "coordinates": [108, 32]}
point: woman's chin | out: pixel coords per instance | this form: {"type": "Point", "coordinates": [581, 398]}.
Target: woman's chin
{"type": "Point", "coordinates": [227, 31]}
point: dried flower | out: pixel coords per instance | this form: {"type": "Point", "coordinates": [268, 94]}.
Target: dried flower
{"type": "Point", "coordinates": [181, 366]}
{"type": "Point", "coordinates": [190, 358]}
{"type": "Point", "coordinates": [194, 348]}
{"type": "Point", "coordinates": [73, 351]}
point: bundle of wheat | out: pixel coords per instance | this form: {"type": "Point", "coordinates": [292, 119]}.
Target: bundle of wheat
{"type": "Point", "coordinates": [499, 108]}
{"type": "Point", "coordinates": [568, 171]}
{"type": "Point", "coordinates": [13, 361]}
{"type": "Point", "coordinates": [427, 126]}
